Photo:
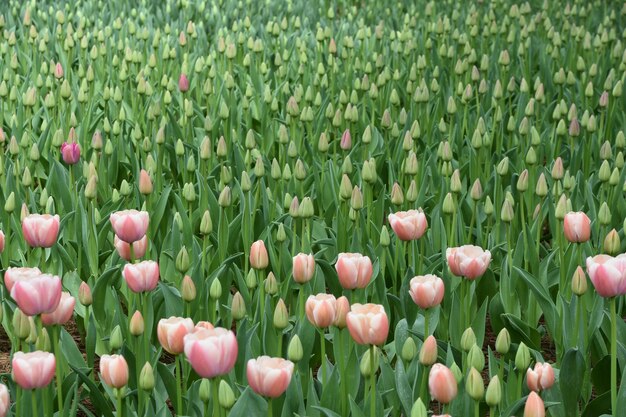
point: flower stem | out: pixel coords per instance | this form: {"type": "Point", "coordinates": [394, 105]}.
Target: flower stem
{"type": "Point", "coordinates": [373, 381]}
{"type": "Point", "coordinates": [323, 355]}
{"type": "Point", "coordinates": [33, 397]}
{"type": "Point", "coordinates": [179, 395]}
{"type": "Point", "coordinates": [477, 409]}
{"type": "Point", "coordinates": [426, 314]}
{"type": "Point", "coordinates": [613, 357]}
{"type": "Point", "coordinates": [120, 403]}
{"type": "Point", "coordinates": [216, 404]}
{"type": "Point", "coordinates": [57, 354]}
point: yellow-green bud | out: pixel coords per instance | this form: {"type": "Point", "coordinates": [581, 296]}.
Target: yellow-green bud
{"type": "Point", "coordinates": [503, 167]}
{"type": "Point", "coordinates": [43, 341]}
{"type": "Point", "coordinates": [204, 391]}
{"type": "Point", "coordinates": [474, 385]}
{"type": "Point", "coordinates": [503, 342]}
{"type": "Point", "coordinates": [612, 243]}
{"type": "Point", "coordinates": [468, 339]}
{"type": "Point", "coordinates": [409, 349]}
{"type": "Point", "coordinates": [146, 378]}
{"type": "Point", "coordinates": [456, 371]}
{"type": "Point", "coordinates": [226, 395]}
{"type": "Point", "coordinates": [476, 358]}
{"type": "Point", "coordinates": [116, 340]}
{"type": "Point", "coordinates": [224, 199]}
{"type": "Point", "coordinates": [188, 289]}
{"type": "Point", "coordinates": [271, 285]}
{"type": "Point", "coordinates": [21, 324]}
{"type": "Point", "coordinates": [579, 282]}
{"type": "Point", "coordinates": [215, 290]}
{"type": "Point", "coordinates": [294, 350]}
{"type": "Point", "coordinates": [522, 358]}
{"type": "Point", "coordinates": [449, 205]}
{"type": "Point", "coordinates": [604, 214]}
{"type": "Point", "coordinates": [281, 315]}
{"type": "Point", "coordinates": [182, 260]}
{"type": "Point", "coordinates": [306, 209]}
{"type": "Point", "coordinates": [366, 365]}
{"type": "Point", "coordinates": [522, 181]}
{"type": "Point", "coordinates": [356, 200]}
{"type": "Point", "coordinates": [493, 395]}
{"type": "Point", "coordinates": [206, 225]}
{"type": "Point", "coordinates": [419, 409]}
{"type": "Point", "coordinates": [238, 307]}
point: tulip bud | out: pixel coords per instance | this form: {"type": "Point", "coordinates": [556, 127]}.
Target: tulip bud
{"type": "Point", "coordinates": [409, 349]}
{"type": "Point", "coordinates": [455, 182]}
{"type": "Point", "coordinates": [43, 341]}
{"type": "Point", "coordinates": [561, 207]}
{"type": "Point", "coordinates": [294, 350]}
{"type": "Point", "coordinates": [456, 371]}
{"type": "Point", "coordinates": [366, 365]}
{"type": "Point", "coordinates": [448, 206]}
{"type": "Point", "coordinates": [84, 294]}
{"type": "Point", "coordinates": [136, 326]}
{"type": "Point", "coordinates": [522, 181]}
{"type": "Point", "coordinates": [226, 395]}
{"type": "Point", "coordinates": [488, 207]}
{"type": "Point", "coordinates": [215, 290]}
{"type": "Point", "coordinates": [605, 171]}
{"type": "Point", "coordinates": [356, 200]}
{"type": "Point", "coordinates": [468, 339]}
{"type": "Point", "coordinates": [522, 358]}
{"type": "Point", "coordinates": [474, 385]}
{"type": "Point", "coordinates": [579, 282]}
{"type": "Point", "coordinates": [271, 285]}
{"type": "Point", "coordinates": [493, 396]}
{"type": "Point", "coordinates": [116, 340]}
{"type": "Point", "coordinates": [604, 214]}
{"type": "Point", "coordinates": [206, 226]}
{"type": "Point", "coordinates": [9, 204]}
{"type": "Point", "coordinates": [428, 352]}
{"type": "Point", "coordinates": [542, 186]}
{"type": "Point", "coordinates": [204, 391]}
{"type": "Point", "coordinates": [146, 378]}
{"type": "Point", "coordinates": [182, 260]}
{"type": "Point", "coordinates": [225, 197]}
{"type": "Point", "coordinates": [477, 190]}
{"type": "Point", "coordinates": [21, 324]}
{"type": "Point", "coordinates": [476, 358]}
{"type": "Point", "coordinates": [238, 307]}
{"type": "Point", "coordinates": [306, 209]}
{"type": "Point", "coordinates": [503, 167]}
{"type": "Point", "coordinates": [534, 406]}
{"type": "Point", "coordinates": [251, 281]}
{"type": "Point", "coordinates": [419, 409]}
{"type": "Point", "coordinates": [503, 342]}
{"type": "Point", "coordinates": [281, 315]}
{"type": "Point", "coordinates": [188, 289]}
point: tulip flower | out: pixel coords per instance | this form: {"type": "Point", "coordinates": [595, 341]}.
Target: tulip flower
{"type": "Point", "coordinates": [534, 406]}
{"type": "Point", "coordinates": [171, 333]}
{"type": "Point", "coordinates": [211, 352]}
{"type": "Point", "coordinates": [63, 313]}
{"type": "Point", "coordinates": [183, 83]}
{"type": "Point", "coordinates": [145, 183]}
{"type": "Point", "coordinates": [303, 268]}
{"type": "Point", "coordinates": [5, 400]}
{"type": "Point", "coordinates": [608, 274]}
{"type": "Point", "coordinates": [12, 275]}
{"type": "Point", "coordinates": [426, 290]}
{"type": "Point", "coordinates": [123, 248]}
{"type": "Point", "coordinates": [41, 230]}
{"type": "Point", "coordinates": [408, 225]}
{"type": "Point", "coordinates": [353, 270]}
{"type": "Point", "coordinates": [36, 295]}
{"type": "Point", "coordinates": [468, 261]}
{"type": "Point", "coordinates": [1, 241]}
{"type": "Point", "coordinates": [141, 277]}
{"type": "Point", "coordinates": [540, 378]}
{"type": "Point", "coordinates": [368, 324]}
{"type": "Point", "coordinates": [442, 384]}
{"type": "Point", "coordinates": [70, 151]}
{"type": "Point", "coordinates": [269, 377]}
{"type": "Point", "coordinates": [577, 227]}
{"type": "Point", "coordinates": [321, 310]}
{"type": "Point", "coordinates": [33, 370]}
{"type": "Point", "coordinates": [114, 370]}
{"type": "Point", "coordinates": [258, 255]}
{"type": "Point", "coordinates": [130, 225]}
{"type": "Point", "coordinates": [342, 307]}
{"type": "Point", "coordinates": [428, 352]}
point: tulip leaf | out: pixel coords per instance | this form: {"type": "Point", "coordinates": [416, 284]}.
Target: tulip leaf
{"type": "Point", "coordinates": [542, 297]}
{"type": "Point", "coordinates": [571, 379]}
{"type": "Point", "coordinates": [403, 388]}
{"type": "Point", "coordinates": [96, 397]}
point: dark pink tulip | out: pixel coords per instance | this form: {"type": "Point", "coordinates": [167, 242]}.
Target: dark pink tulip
{"type": "Point", "coordinates": [41, 230]}
{"type": "Point", "coordinates": [1, 241]}
{"type": "Point", "coordinates": [70, 152]}
{"type": "Point", "coordinates": [58, 71]}
{"type": "Point", "coordinates": [33, 370]}
{"type": "Point", "coordinates": [269, 377]}
{"type": "Point", "coordinates": [142, 276]}
{"type": "Point", "coordinates": [183, 83]}
{"type": "Point", "coordinates": [36, 295]}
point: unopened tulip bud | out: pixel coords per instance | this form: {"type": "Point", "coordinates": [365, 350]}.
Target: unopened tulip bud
{"type": "Point", "coordinates": [615, 175]}
{"type": "Point", "coordinates": [428, 352]}
{"type": "Point", "coordinates": [522, 181]}
{"type": "Point", "coordinates": [366, 365]}
{"type": "Point", "coordinates": [477, 190]}
{"type": "Point", "coordinates": [503, 342]}
{"type": "Point", "coordinates": [295, 351]}
{"type": "Point", "coordinates": [84, 294]}
{"type": "Point", "coordinates": [419, 409]}
{"type": "Point", "coordinates": [542, 186]}
{"type": "Point", "coordinates": [474, 385]}
{"type": "Point", "coordinates": [493, 395]}
{"type": "Point", "coordinates": [215, 290]}
{"type": "Point", "coordinates": [522, 358]}
{"type": "Point", "coordinates": [226, 395]}
{"type": "Point", "coordinates": [579, 282]}
{"type": "Point", "coordinates": [476, 358]}
{"type": "Point", "coordinates": [604, 214]}
{"type": "Point", "coordinates": [455, 182]}
{"type": "Point", "coordinates": [534, 406]}
{"type": "Point", "coordinates": [204, 391]}
{"type": "Point", "coordinates": [182, 260]}
{"type": "Point", "coordinates": [281, 234]}
{"type": "Point", "coordinates": [136, 326]}
{"type": "Point", "coordinates": [146, 378]}
{"type": "Point", "coordinates": [488, 207]}
{"type": "Point", "coordinates": [21, 324]}
{"type": "Point", "coordinates": [9, 204]}
{"type": "Point", "coordinates": [448, 206]}
{"type": "Point", "coordinates": [116, 340]}
{"type": "Point", "coordinates": [306, 209]}
{"type": "Point", "coordinates": [206, 226]}
{"type": "Point", "coordinates": [251, 281]}
{"type": "Point", "coordinates": [457, 372]}
{"type": "Point", "coordinates": [225, 197]}
{"type": "Point", "coordinates": [468, 339]}
{"type": "Point", "coordinates": [409, 350]}
{"type": "Point", "coordinates": [503, 167]}
{"type": "Point", "coordinates": [345, 189]}
{"type": "Point", "coordinates": [145, 183]}
{"type": "Point", "coordinates": [271, 285]}
{"type": "Point", "coordinates": [281, 315]}
{"type": "Point", "coordinates": [238, 307]}
{"type": "Point", "coordinates": [43, 341]}
{"type": "Point", "coordinates": [188, 289]}
{"type": "Point", "coordinates": [605, 171]}
{"type": "Point", "coordinates": [397, 197]}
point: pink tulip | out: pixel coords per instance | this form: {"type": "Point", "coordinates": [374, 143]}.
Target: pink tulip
{"type": "Point", "coordinates": [63, 312]}
{"type": "Point", "coordinates": [204, 325]}
{"type": "Point", "coordinates": [468, 261]}
{"type": "Point", "coordinates": [540, 378]}
{"type": "Point", "coordinates": [41, 230]}
{"type": "Point", "coordinates": [36, 295]}
{"type": "Point", "coordinates": [303, 268]}
{"type": "Point", "coordinates": [608, 274]}
{"type": "Point", "coordinates": [70, 151]}
{"type": "Point", "coordinates": [534, 406]}
{"type": "Point", "coordinates": [211, 352]}
{"type": "Point", "coordinates": [258, 255]}
{"type": "Point", "coordinates": [426, 290]}
{"type": "Point", "coordinates": [408, 225]}
{"type": "Point", "coordinates": [12, 275]}
{"type": "Point", "coordinates": [428, 352]}
{"type": "Point", "coordinates": [142, 276]}
{"type": "Point", "coordinates": [321, 310]}
{"type": "Point", "coordinates": [354, 270]}
{"type": "Point", "coordinates": [171, 333]}
{"type": "Point", "coordinates": [346, 140]}
{"type": "Point", "coordinates": [130, 225]}
{"type": "Point", "coordinates": [269, 377]}
{"type": "Point", "coordinates": [58, 71]}
{"type": "Point", "coordinates": [577, 227]}
{"type": "Point", "coordinates": [368, 324]}
{"type": "Point", "coordinates": [123, 249]}
{"type": "Point", "coordinates": [442, 384]}
{"type": "Point", "coordinates": [5, 400]}
{"type": "Point", "coordinates": [114, 370]}
{"type": "Point", "coordinates": [145, 182]}
{"type": "Point", "coordinates": [33, 370]}
{"type": "Point", "coordinates": [183, 83]}
{"type": "Point", "coordinates": [1, 241]}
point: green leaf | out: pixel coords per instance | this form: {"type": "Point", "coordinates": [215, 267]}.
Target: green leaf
{"type": "Point", "coordinates": [571, 380]}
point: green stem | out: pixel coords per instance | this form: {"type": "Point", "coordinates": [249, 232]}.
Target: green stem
{"type": "Point", "coordinates": [215, 383]}
{"type": "Point", "coordinates": [477, 408]}
{"type": "Point", "coordinates": [33, 397]}
{"type": "Point", "coordinates": [120, 402]}
{"type": "Point", "coordinates": [613, 356]}
{"type": "Point", "coordinates": [323, 355]}
{"type": "Point", "coordinates": [179, 395]}
{"type": "Point", "coordinates": [342, 373]}
{"type": "Point", "coordinates": [270, 411]}
{"type": "Point", "coordinates": [373, 381]}
{"type": "Point", "coordinates": [301, 302]}
{"type": "Point", "coordinates": [426, 317]}
{"type": "Point", "coordinates": [59, 378]}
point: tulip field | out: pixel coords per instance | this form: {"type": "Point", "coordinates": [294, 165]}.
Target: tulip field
{"type": "Point", "coordinates": [312, 208]}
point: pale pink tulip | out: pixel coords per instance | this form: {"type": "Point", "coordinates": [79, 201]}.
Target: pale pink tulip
{"type": "Point", "coordinates": [343, 308]}
{"type": "Point", "coordinates": [258, 255]}
{"type": "Point", "coordinates": [63, 312]}
{"type": "Point", "coordinates": [428, 352]}
{"type": "Point", "coordinates": [442, 384]}
{"type": "Point", "coordinates": [1, 241]}
{"type": "Point", "coordinates": [354, 270]}
{"type": "Point", "coordinates": [426, 290]}
{"type": "Point", "coordinates": [269, 377]}
{"type": "Point", "coordinates": [408, 225]}
{"type": "Point", "coordinates": [211, 352]}
{"type": "Point", "coordinates": [33, 370]}
{"type": "Point", "coordinates": [608, 274]}
{"type": "Point", "coordinates": [130, 225]}
{"type": "Point", "coordinates": [38, 294]}
{"type": "Point", "coordinates": [368, 324]}
{"type": "Point", "coordinates": [577, 227]}
{"type": "Point", "coordinates": [171, 333]}
{"type": "Point", "coordinates": [468, 261]}
{"type": "Point", "coordinates": [58, 71]}
{"type": "Point", "coordinates": [123, 249]}
{"type": "Point", "coordinates": [346, 140]}
{"type": "Point", "coordinates": [12, 275]}
{"type": "Point", "coordinates": [41, 230]}
{"type": "Point", "coordinates": [145, 182]}
{"type": "Point", "coordinates": [321, 310]}
{"type": "Point", "coordinates": [303, 268]}
{"type": "Point", "coordinates": [5, 400]}
{"type": "Point", "coordinates": [114, 370]}
{"type": "Point", "coordinates": [142, 276]}
{"type": "Point", "coordinates": [540, 378]}
{"type": "Point", "coordinates": [534, 406]}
